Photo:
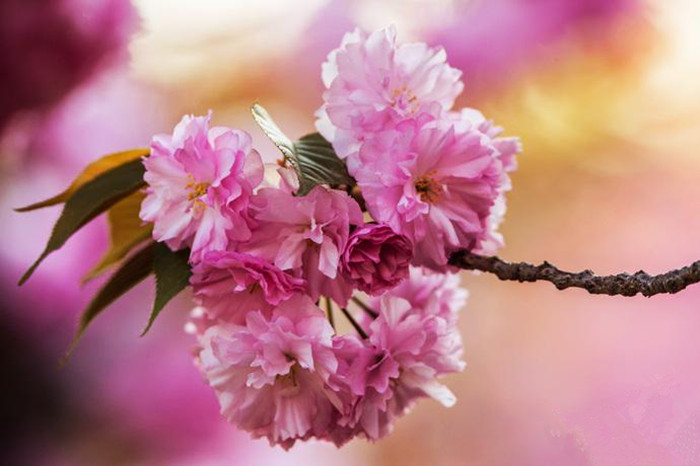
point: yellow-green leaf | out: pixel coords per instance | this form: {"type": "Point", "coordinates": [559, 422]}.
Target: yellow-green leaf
{"type": "Point", "coordinates": [89, 173]}
{"type": "Point", "coordinates": [127, 231]}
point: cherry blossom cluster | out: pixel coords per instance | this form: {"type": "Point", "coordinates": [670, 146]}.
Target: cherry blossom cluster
{"type": "Point", "coordinates": [314, 318]}
{"type": "Point", "coordinates": [435, 175]}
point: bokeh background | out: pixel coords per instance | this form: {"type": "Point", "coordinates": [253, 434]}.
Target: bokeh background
{"type": "Point", "coordinates": [605, 95]}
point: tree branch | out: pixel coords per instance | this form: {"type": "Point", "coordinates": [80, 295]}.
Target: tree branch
{"type": "Point", "coordinates": [621, 284]}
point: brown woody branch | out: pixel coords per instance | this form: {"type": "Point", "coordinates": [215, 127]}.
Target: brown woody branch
{"type": "Point", "coordinates": [621, 284]}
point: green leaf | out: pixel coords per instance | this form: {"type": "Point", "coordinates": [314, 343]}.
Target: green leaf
{"type": "Point", "coordinates": [126, 231]}
{"type": "Point", "coordinates": [132, 272]}
{"type": "Point", "coordinates": [318, 164]}
{"type": "Point", "coordinates": [89, 173]}
{"type": "Point", "coordinates": [90, 200]}
{"type": "Point", "coordinates": [312, 157]}
{"type": "Point", "coordinates": [173, 273]}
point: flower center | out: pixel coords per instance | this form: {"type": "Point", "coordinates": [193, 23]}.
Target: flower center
{"type": "Point", "coordinates": [403, 99]}
{"type": "Point", "coordinates": [290, 378]}
{"type": "Point", "coordinates": [195, 191]}
{"type": "Point", "coordinates": [428, 188]}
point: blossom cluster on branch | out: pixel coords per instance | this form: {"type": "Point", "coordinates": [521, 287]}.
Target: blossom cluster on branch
{"type": "Point", "coordinates": [264, 258]}
{"type": "Point", "coordinates": [325, 302]}
{"type": "Point", "coordinates": [368, 219]}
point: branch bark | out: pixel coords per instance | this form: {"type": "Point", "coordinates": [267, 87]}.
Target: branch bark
{"type": "Point", "coordinates": [621, 284]}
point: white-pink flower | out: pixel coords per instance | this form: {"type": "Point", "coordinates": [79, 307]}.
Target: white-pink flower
{"type": "Point", "coordinates": [199, 183]}
{"type": "Point", "coordinates": [433, 184]}
{"type": "Point", "coordinates": [307, 235]}
{"type": "Point", "coordinates": [372, 83]}
{"type": "Point", "coordinates": [270, 375]}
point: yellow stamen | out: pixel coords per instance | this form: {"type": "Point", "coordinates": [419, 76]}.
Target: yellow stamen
{"type": "Point", "coordinates": [195, 191]}
{"type": "Point", "coordinates": [404, 97]}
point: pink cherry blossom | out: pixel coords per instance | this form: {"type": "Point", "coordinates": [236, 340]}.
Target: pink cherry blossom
{"type": "Point", "coordinates": [433, 184]}
{"type": "Point", "coordinates": [376, 258]}
{"type": "Point", "coordinates": [432, 292]}
{"type": "Point", "coordinates": [199, 182]}
{"type": "Point", "coordinates": [413, 340]}
{"type": "Point", "coordinates": [306, 235]}
{"type": "Point", "coordinates": [372, 82]}
{"type": "Point", "coordinates": [362, 379]}
{"type": "Point", "coordinates": [370, 374]}
{"type": "Point", "coordinates": [270, 374]}
{"type": "Point", "coordinates": [422, 342]}
{"type": "Point", "coordinates": [492, 240]}
{"type": "Point", "coordinates": [349, 383]}
{"type": "Point", "coordinates": [407, 350]}
{"type": "Point", "coordinates": [229, 284]}
{"type": "Point", "coordinates": [507, 148]}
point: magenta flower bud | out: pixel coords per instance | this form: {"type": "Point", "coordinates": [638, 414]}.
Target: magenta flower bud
{"type": "Point", "coordinates": [376, 258]}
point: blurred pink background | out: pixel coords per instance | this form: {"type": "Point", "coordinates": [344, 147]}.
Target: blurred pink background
{"type": "Point", "coordinates": [603, 94]}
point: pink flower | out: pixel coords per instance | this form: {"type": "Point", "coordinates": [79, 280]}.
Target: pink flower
{"type": "Point", "coordinates": [370, 374]}
{"type": "Point", "coordinates": [306, 235]}
{"type": "Point", "coordinates": [348, 382]}
{"type": "Point", "coordinates": [432, 292]}
{"type": "Point", "coordinates": [423, 343]}
{"type": "Point", "coordinates": [270, 374]}
{"type": "Point", "coordinates": [408, 348]}
{"type": "Point", "coordinates": [200, 180]}
{"type": "Point", "coordinates": [507, 149]}
{"type": "Point", "coordinates": [493, 239]}
{"type": "Point", "coordinates": [229, 284]}
{"type": "Point", "coordinates": [433, 184]}
{"type": "Point", "coordinates": [372, 83]}
{"type": "Point", "coordinates": [362, 378]}
{"type": "Point", "coordinates": [376, 258]}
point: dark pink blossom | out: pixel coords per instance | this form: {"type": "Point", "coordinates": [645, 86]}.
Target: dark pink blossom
{"type": "Point", "coordinates": [376, 258]}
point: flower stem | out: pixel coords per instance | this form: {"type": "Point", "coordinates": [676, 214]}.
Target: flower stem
{"type": "Point", "coordinates": [329, 312]}
{"type": "Point", "coordinates": [371, 312]}
{"type": "Point", "coordinates": [354, 323]}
